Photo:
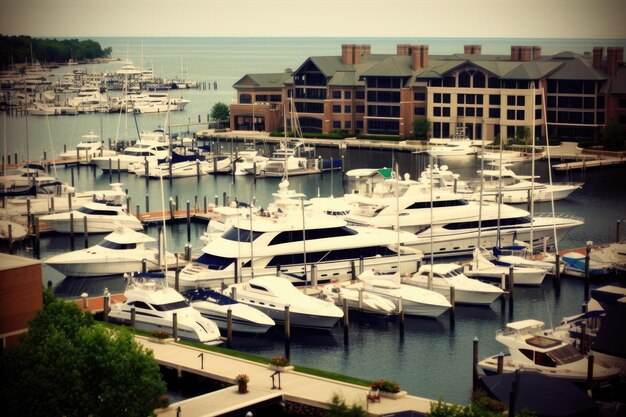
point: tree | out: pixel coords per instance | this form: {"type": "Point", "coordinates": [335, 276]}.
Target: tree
{"type": "Point", "coordinates": [522, 135]}
{"type": "Point", "coordinates": [421, 129]}
{"type": "Point", "coordinates": [220, 112]}
{"type": "Point", "coordinates": [612, 137]}
{"type": "Point", "coordinates": [67, 364]}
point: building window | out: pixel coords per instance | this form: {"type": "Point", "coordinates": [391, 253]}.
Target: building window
{"type": "Point", "coordinates": [359, 95]}
{"type": "Point", "coordinates": [460, 111]}
{"type": "Point", "coordinates": [336, 124]}
{"type": "Point", "coordinates": [464, 79]}
{"type": "Point", "coordinates": [360, 109]}
{"type": "Point", "coordinates": [359, 124]}
{"type": "Point", "coordinates": [437, 111]}
{"type": "Point", "coordinates": [446, 112]}
{"type": "Point", "coordinates": [460, 99]}
{"type": "Point", "coordinates": [479, 112]}
{"type": "Point", "coordinates": [336, 94]}
{"type": "Point", "coordinates": [421, 96]}
{"type": "Point", "coordinates": [510, 100]}
{"type": "Point", "coordinates": [446, 98]}
{"type": "Point", "coordinates": [510, 114]}
{"type": "Point", "coordinates": [336, 108]}
{"type": "Point", "coordinates": [494, 99]}
{"type": "Point", "coordinates": [245, 99]}
{"type": "Point", "coordinates": [521, 115]}
{"type": "Point", "coordinates": [347, 95]}
{"type": "Point", "coordinates": [521, 100]}
{"type": "Point", "coordinates": [419, 111]}
{"type": "Point", "coordinates": [494, 113]}
{"type": "Point", "coordinates": [347, 109]}
{"type": "Point", "coordinates": [276, 98]}
{"type": "Point", "coordinates": [479, 80]}
{"type": "Point", "coordinates": [347, 124]}
{"type": "Point", "coordinates": [261, 97]}
{"type": "Point", "coordinates": [469, 112]}
{"type": "Point", "coordinates": [437, 98]}
{"type": "Point", "coordinates": [449, 82]}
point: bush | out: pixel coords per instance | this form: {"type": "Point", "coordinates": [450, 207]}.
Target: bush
{"type": "Point", "coordinates": [160, 334]}
{"type": "Point", "coordinates": [279, 361]}
{"type": "Point", "coordinates": [385, 386]}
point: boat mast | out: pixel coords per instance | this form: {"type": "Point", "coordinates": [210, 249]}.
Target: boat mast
{"type": "Point", "coordinates": [532, 176]}
{"type": "Point", "coordinates": [545, 121]}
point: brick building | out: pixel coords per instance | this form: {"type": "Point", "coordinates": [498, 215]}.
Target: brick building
{"type": "Point", "coordinates": [486, 95]}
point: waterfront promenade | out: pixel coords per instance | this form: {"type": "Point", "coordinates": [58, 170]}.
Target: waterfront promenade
{"type": "Point", "coordinates": [297, 387]}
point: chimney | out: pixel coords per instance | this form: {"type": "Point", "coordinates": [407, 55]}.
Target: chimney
{"type": "Point", "coordinates": [416, 57]}
{"type": "Point", "coordinates": [367, 49]}
{"type": "Point", "coordinates": [515, 53]}
{"type": "Point", "coordinates": [472, 49]}
{"type": "Point", "coordinates": [347, 54]}
{"type": "Point", "coordinates": [525, 53]}
{"type": "Point", "coordinates": [598, 51]}
{"type": "Point", "coordinates": [611, 60]}
{"type": "Point", "coordinates": [356, 57]}
{"type": "Point", "coordinates": [424, 55]}
{"type": "Point", "coordinates": [402, 49]}
{"type": "Point", "coordinates": [536, 52]}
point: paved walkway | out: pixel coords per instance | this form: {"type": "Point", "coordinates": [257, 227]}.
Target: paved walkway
{"type": "Point", "coordinates": [296, 386]}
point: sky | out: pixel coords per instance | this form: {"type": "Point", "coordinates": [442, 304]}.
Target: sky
{"type": "Point", "coordinates": [596, 19]}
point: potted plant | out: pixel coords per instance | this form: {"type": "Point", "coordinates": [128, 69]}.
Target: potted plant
{"type": "Point", "coordinates": [242, 382]}
{"type": "Point", "coordinates": [280, 364]}
{"type": "Point", "coordinates": [388, 389]}
{"type": "Point", "coordinates": [161, 336]}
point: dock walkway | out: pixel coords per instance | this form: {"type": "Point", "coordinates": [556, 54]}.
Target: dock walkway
{"type": "Point", "coordinates": [296, 387]}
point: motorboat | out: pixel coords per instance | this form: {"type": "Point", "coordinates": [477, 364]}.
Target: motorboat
{"type": "Point", "coordinates": [519, 254]}
{"type": "Point", "coordinates": [300, 242]}
{"type": "Point", "coordinates": [178, 166]}
{"type": "Point", "coordinates": [215, 306]}
{"type": "Point", "coordinates": [12, 231]}
{"type": "Point", "coordinates": [89, 147]}
{"type": "Point", "coordinates": [102, 215]}
{"type": "Point", "coordinates": [272, 294]}
{"type": "Point", "coordinates": [359, 300]}
{"type": "Point", "coordinates": [531, 350]}
{"type": "Point", "coordinates": [613, 253]}
{"type": "Point", "coordinates": [140, 151]}
{"type": "Point", "coordinates": [575, 266]}
{"type": "Point", "coordinates": [121, 251]}
{"type": "Point", "coordinates": [410, 299]}
{"type": "Point", "coordinates": [451, 226]}
{"type": "Point", "coordinates": [249, 161]}
{"type": "Point", "coordinates": [453, 148]}
{"type": "Point", "coordinates": [510, 157]}
{"type": "Point", "coordinates": [609, 345]}
{"type": "Point", "coordinates": [445, 276]}
{"type": "Point", "coordinates": [87, 98]}
{"type": "Point", "coordinates": [155, 304]}
{"type": "Point", "coordinates": [481, 267]}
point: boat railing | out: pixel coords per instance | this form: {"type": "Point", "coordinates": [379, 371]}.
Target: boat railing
{"type": "Point", "coordinates": [560, 216]}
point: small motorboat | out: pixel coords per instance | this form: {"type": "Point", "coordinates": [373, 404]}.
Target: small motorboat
{"type": "Point", "coordinates": [575, 266]}
{"type": "Point", "coordinates": [481, 267]}
{"type": "Point", "coordinates": [532, 349]}
{"type": "Point", "coordinates": [449, 275]}
{"type": "Point", "coordinates": [359, 300]}
{"type": "Point", "coordinates": [155, 304]}
{"type": "Point", "coordinates": [215, 306]}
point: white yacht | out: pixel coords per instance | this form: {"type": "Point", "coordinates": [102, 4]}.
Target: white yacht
{"type": "Point", "coordinates": [87, 98]}
{"type": "Point", "coordinates": [412, 300]}
{"type": "Point", "coordinates": [531, 349]}
{"type": "Point", "coordinates": [454, 226]}
{"type": "Point", "coordinates": [102, 216]}
{"type": "Point", "coordinates": [155, 304]}
{"type": "Point", "coordinates": [290, 158]}
{"type": "Point", "coordinates": [300, 243]}
{"type": "Point", "coordinates": [249, 161]}
{"type": "Point", "coordinates": [90, 146]}
{"type": "Point", "coordinates": [271, 294]}
{"type": "Point", "coordinates": [178, 166]}
{"type": "Point", "coordinates": [575, 266]}
{"type": "Point", "coordinates": [519, 254]}
{"type": "Point", "coordinates": [122, 251]}
{"type": "Point", "coordinates": [215, 306]}
{"type": "Point", "coordinates": [453, 148]}
{"type": "Point", "coordinates": [481, 267]}
{"type": "Point", "coordinates": [448, 275]}
{"type": "Point", "coordinates": [12, 230]}
{"type": "Point", "coordinates": [138, 152]}
{"type": "Point", "coordinates": [359, 300]}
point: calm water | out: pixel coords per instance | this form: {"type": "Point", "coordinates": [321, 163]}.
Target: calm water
{"type": "Point", "coordinates": [433, 357]}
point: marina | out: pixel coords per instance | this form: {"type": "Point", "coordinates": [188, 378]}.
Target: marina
{"type": "Point", "coordinates": [430, 358]}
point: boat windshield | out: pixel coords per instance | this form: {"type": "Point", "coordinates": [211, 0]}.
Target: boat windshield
{"type": "Point", "coordinates": [565, 354]}
{"type": "Point", "coordinates": [454, 273]}
{"type": "Point", "coordinates": [87, 210]}
{"type": "Point", "coordinates": [240, 235]}
{"type": "Point", "coordinates": [117, 246]}
{"type": "Point", "coordinates": [176, 305]}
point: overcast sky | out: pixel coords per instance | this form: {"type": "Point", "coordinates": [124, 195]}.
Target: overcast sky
{"type": "Point", "coordinates": [391, 18]}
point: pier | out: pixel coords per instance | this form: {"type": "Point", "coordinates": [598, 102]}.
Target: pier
{"type": "Point", "coordinates": [296, 389]}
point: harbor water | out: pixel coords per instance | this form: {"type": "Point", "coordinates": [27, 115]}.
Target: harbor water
{"type": "Point", "coordinates": [432, 357]}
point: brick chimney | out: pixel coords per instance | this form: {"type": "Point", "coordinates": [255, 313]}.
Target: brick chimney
{"type": "Point", "coordinates": [515, 53]}
{"type": "Point", "coordinates": [472, 49]}
{"type": "Point", "coordinates": [402, 49]}
{"type": "Point", "coordinates": [611, 60]}
{"type": "Point", "coordinates": [416, 57]}
{"type": "Point", "coordinates": [347, 53]}
{"type": "Point", "coordinates": [536, 52]}
{"type": "Point", "coordinates": [526, 53]}
{"type": "Point", "coordinates": [424, 55]}
{"type": "Point", "coordinates": [598, 51]}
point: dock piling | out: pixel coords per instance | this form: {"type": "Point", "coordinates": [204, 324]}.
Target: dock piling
{"type": "Point", "coordinates": [229, 328]}
{"type": "Point", "coordinates": [85, 232]}
{"type": "Point", "coordinates": [475, 364]}
{"type": "Point", "coordinates": [72, 231]}
{"type": "Point", "coordinates": [175, 325]}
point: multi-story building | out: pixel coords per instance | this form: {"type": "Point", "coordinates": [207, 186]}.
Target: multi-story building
{"type": "Point", "coordinates": [570, 95]}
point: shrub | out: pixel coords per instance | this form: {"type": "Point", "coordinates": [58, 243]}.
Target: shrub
{"type": "Point", "coordinates": [241, 378]}
{"type": "Point", "coordinates": [385, 386]}
{"type": "Point", "coordinates": [160, 334]}
{"type": "Point", "coordinates": [279, 361]}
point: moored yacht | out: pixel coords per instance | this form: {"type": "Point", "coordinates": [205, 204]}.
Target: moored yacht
{"type": "Point", "coordinates": [102, 216]}
{"type": "Point", "coordinates": [155, 304]}
{"type": "Point", "coordinates": [271, 294]}
{"type": "Point", "coordinates": [138, 152]}
{"type": "Point", "coordinates": [89, 147]}
{"type": "Point", "coordinates": [359, 300]}
{"type": "Point", "coordinates": [481, 267]}
{"type": "Point", "coordinates": [122, 251]}
{"type": "Point", "coordinates": [216, 306]}
{"type": "Point", "coordinates": [530, 349]}
{"type": "Point", "coordinates": [448, 275]}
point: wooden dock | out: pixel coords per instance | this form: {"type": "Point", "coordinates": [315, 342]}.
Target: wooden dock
{"type": "Point", "coordinates": [584, 164]}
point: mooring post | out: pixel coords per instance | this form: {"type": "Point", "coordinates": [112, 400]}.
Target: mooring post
{"type": "Point", "coordinates": [188, 222]}
{"type": "Point", "coordinates": [587, 251]}
{"type": "Point", "coordinates": [475, 365]}
{"type": "Point", "coordinates": [287, 328]}
{"type": "Point", "coordinates": [133, 316]}
{"type": "Point", "coordinates": [175, 326]}
{"type": "Point", "coordinates": [500, 363]}
{"type": "Point", "coordinates": [71, 230]}
{"type": "Point", "coordinates": [85, 232]}
{"type": "Point", "coordinates": [229, 328]}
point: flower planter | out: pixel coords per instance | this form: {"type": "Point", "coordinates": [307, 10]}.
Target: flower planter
{"type": "Point", "coordinates": [393, 395]}
{"type": "Point", "coordinates": [242, 387]}
{"type": "Point", "coordinates": [280, 368]}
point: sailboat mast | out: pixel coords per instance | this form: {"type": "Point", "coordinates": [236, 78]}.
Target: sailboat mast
{"type": "Point", "coordinates": [532, 175]}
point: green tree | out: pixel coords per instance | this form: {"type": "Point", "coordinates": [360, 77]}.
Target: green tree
{"type": "Point", "coordinates": [522, 135]}
{"type": "Point", "coordinates": [421, 128]}
{"type": "Point", "coordinates": [220, 112]}
{"type": "Point", "coordinates": [67, 364]}
{"type": "Point", "coordinates": [613, 137]}
{"type": "Point", "coordinates": [339, 408]}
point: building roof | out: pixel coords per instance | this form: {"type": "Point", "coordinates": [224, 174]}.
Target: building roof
{"type": "Point", "coordinates": [11, 262]}
{"type": "Point", "coordinates": [575, 67]}
{"type": "Point", "coordinates": [266, 81]}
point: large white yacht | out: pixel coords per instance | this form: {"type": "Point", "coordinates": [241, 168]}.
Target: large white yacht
{"type": "Point", "coordinates": [155, 304]}
{"type": "Point", "coordinates": [122, 251]}
{"type": "Point", "coordinates": [448, 275]}
{"type": "Point", "coordinates": [138, 152]}
{"type": "Point", "coordinates": [271, 294]}
{"type": "Point", "coordinates": [89, 147]}
{"type": "Point", "coordinates": [298, 241]}
{"type": "Point", "coordinates": [532, 349]}
{"type": "Point", "coordinates": [102, 215]}
{"type": "Point", "coordinates": [453, 228]}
